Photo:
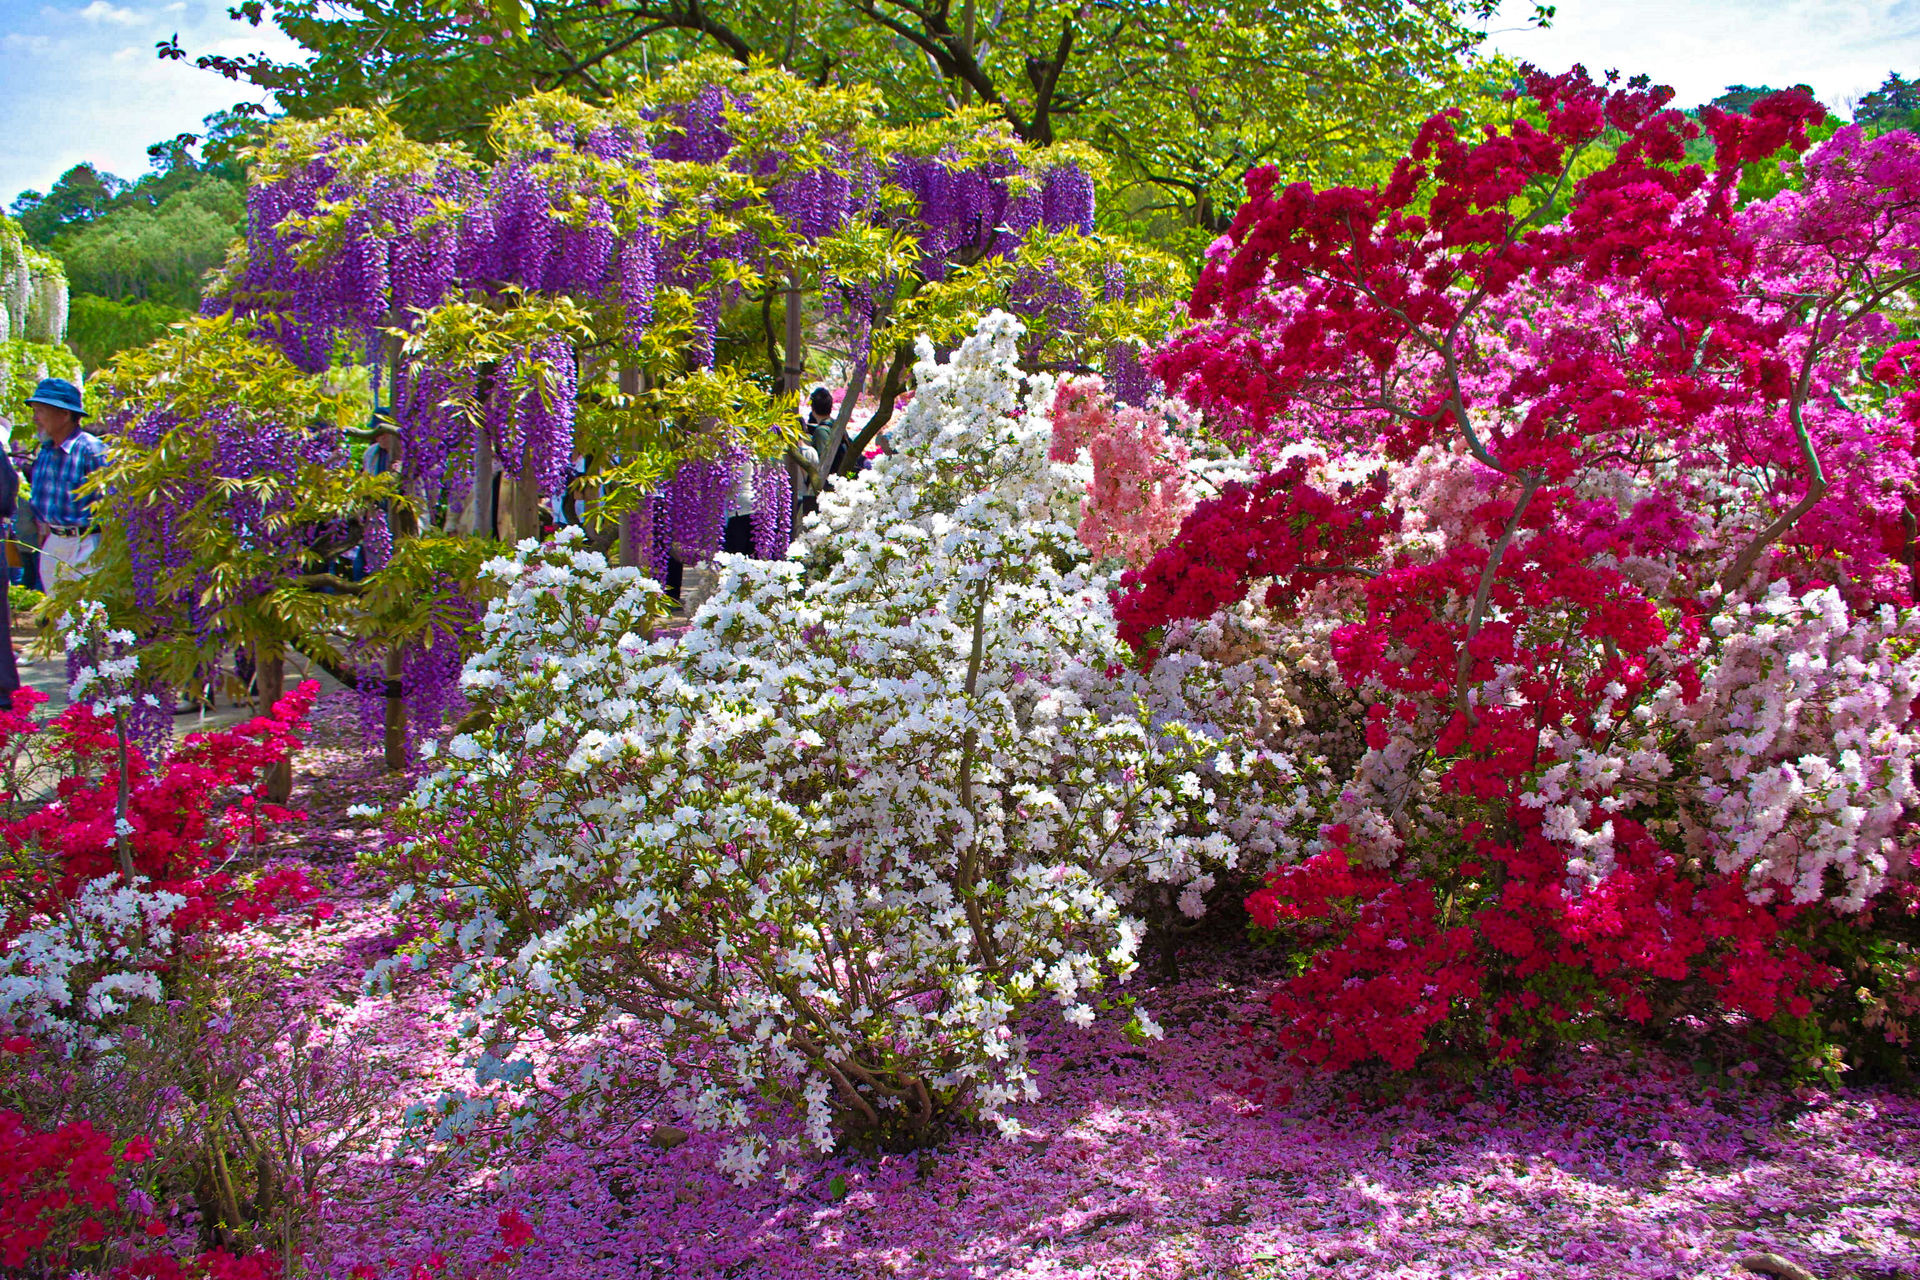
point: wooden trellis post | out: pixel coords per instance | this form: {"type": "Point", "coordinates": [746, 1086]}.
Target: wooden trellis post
{"type": "Point", "coordinates": [631, 382]}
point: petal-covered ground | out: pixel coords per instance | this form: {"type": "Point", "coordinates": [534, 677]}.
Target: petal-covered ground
{"type": "Point", "coordinates": [1173, 1158]}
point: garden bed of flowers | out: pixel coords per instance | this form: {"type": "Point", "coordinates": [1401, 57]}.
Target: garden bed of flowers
{"type": "Point", "coordinates": [1138, 1159]}
{"type": "Point", "coordinates": [1427, 791]}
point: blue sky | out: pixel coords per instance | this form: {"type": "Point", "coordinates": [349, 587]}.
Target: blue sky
{"type": "Point", "coordinates": [79, 80]}
{"type": "Point", "coordinates": [1842, 48]}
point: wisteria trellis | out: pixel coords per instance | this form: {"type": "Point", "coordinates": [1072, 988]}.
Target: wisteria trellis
{"type": "Point", "coordinates": [561, 300]}
{"type": "Point", "coordinates": [354, 232]}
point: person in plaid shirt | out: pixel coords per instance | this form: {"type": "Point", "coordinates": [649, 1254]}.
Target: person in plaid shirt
{"type": "Point", "coordinates": [68, 455]}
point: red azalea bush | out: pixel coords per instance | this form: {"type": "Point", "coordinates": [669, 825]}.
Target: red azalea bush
{"type": "Point", "coordinates": [214, 1264]}
{"type": "Point", "coordinates": [113, 995]}
{"type": "Point", "coordinates": [1596, 538]}
{"type": "Point", "coordinates": [59, 1182]}
{"type": "Point", "coordinates": [64, 1196]}
{"type": "Point", "coordinates": [188, 814]}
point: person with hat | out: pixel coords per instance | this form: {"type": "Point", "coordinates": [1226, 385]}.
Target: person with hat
{"type": "Point", "coordinates": [68, 455]}
{"type": "Point", "coordinates": [9, 666]}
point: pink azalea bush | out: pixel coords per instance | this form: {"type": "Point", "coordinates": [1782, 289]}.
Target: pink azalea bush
{"type": "Point", "coordinates": [1138, 494]}
{"type": "Point", "coordinates": [129, 1037]}
{"type": "Point", "coordinates": [1590, 548]}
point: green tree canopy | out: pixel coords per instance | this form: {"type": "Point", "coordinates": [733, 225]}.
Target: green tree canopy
{"type": "Point", "coordinates": [1183, 97]}
{"type": "Point", "coordinates": [80, 195]}
{"type": "Point", "coordinates": [136, 254]}
{"type": "Point", "coordinates": [1894, 105]}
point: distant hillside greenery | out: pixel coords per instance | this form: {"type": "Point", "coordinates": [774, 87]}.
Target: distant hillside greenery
{"type": "Point", "coordinates": [136, 254]}
{"type": "Point", "coordinates": [158, 255]}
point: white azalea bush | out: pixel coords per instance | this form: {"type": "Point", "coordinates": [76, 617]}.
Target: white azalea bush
{"type": "Point", "coordinates": [69, 973]}
{"type": "Point", "coordinates": [831, 842]}
{"type": "Point", "coordinates": [1804, 745]}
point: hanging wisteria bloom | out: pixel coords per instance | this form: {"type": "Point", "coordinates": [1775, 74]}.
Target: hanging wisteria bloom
{"type": "Point", "coordinates": [696, 500]}
{"type": "Point", "coordinates": [772, 510]}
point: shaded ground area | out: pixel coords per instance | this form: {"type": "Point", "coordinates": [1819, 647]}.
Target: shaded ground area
{"type": "Point", "coordinates": [48, 675]}
{"type": "Point", "coordinates": [1187, 1157]}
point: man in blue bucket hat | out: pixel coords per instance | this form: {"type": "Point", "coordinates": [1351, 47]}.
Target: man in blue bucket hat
{"type": "Point", "coordinates": [68, 455]}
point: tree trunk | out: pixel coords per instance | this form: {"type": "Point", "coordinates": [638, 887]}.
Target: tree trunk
{"type": "Point", "coordinates": [477, 519]}
{"type": "Point", "coordinates": [271, 674]}
{"type": "Point", "coordinates": [630, 546]}
{"type": "Point", "coordinates": [796, 354]}
{"type": "Point", "coordinates": [966, 38]}
{"type": "Point", "coordinates": [395, 738]}
{"type": "Point", "coordinates": [391, 344]}
{"type": "Point", "coordinates": [506, 524]}
{"type": "Point", "coordinates": [630, 550]}
{"type": "Point", "coordinates": [526, 508]}
{"type": "Point", "coordinates": [519, 515]}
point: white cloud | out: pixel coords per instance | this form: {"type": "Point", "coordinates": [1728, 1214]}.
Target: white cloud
{"type": "Point", "coordinates": [101, 11]}
{"type": "Point", "coordinates": [1841, 48]}
{"type": "Point", "coordinates": [131, 99]}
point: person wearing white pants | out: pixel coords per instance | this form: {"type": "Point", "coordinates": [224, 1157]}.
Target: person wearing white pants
{"type": "Point", "coordinates": [67, 456]}
{"type": "Point", "coordinates": [66, 556]}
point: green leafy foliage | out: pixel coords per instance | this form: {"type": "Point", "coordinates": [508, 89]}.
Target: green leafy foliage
{"type": "Point", "coordinates": [1182, 97]}
{"type": "Point", "coordinates": [83, 194]}
{"type": "Point", "coordinates": [137, 254]}
{"type": "Point", "coordinates": [249, 543]}
{"type": "Point", "coordinates": [98, 328]}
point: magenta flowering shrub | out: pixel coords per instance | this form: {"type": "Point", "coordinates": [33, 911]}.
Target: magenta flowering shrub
{"type": "Point", "coordinates": [1588, 547]}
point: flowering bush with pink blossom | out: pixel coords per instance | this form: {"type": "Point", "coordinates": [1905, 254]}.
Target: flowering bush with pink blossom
{"type": "Point", "coordinates": [109, 883]}
{"type": "Point", "coordinates": [138, 1050]}
{"type": "Point", "coordinates": [1138, 494]}
{"type": "Point", "coordinates": [1589, 546]}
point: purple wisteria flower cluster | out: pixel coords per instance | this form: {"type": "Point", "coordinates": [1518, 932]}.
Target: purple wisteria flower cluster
{"type": "Point", "coordinates": [355, 233]}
